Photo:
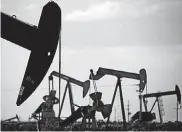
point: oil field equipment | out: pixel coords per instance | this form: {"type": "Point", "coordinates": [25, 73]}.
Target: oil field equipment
{"type": "Point", "coordinates": [45, 109]}
{"type": "Point", "coordinates": [85, 85]}
{"type": "Point", "coordinates": [41, 40]}
{"type": "Point", "coordinates": [142, 77]}
{"type": "Point", "coordinates": [98, 106]}
{"type": "Point", "coordinates": [146, 116]}
{"type": "Point", "coordinates": [50, 101]}
{"type": "Point", "coordinates": [160, 94]}
{"type": "Point", "coordinates": [45, 112]}
{"type": "Point", "coordinates": [88, 112]}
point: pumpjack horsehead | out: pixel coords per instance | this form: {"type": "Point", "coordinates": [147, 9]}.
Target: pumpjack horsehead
{"type": "Point", "coordinates": [142, 77]}
{"type": "Point", "coordinates": [160, 94]}
{"type": "Point", "coordinates": [41, 40]}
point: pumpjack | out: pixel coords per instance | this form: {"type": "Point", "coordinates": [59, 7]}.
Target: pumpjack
{"type": "Point", "coordinates": [45, 110]}
{"type": "Point", "coordinates": [84, 112]}
{"type": "Point", "coordinates": [160, 94]}
{"type": "Point", "coordinates": [142, 77]}
{"type": "Point", "coordinates": [41, 40]}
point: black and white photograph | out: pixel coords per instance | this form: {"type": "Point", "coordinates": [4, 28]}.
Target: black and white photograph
{"type": "Point", "coordinates": [91, 65]}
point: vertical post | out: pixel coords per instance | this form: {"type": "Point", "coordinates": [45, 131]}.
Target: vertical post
{"type": "Point", "coordinates": [89, 104]}
{"type": "Point", "coordinates": [115, 114]}
{"type": "Point", "coordinates": [140, 101]}
{"type": "Point", "coordinates": [39, 116]}
{"type": "Point", "coordinates": [49, 86]}
{"type": "Point", "coordinates": [89, 122]}
{"type": "Point", "coordinates": [145, 104]}
{"type": "Point", "coordinates": [128, 111]}
{"type": "Point", "coordinates": [177, 111]}
{"type": "Point", "coordinates": [52, 84]}
{"type": "Point", "coordinates": [83, 125]}
{"type": "Point", "coordinates": [94, 124]}
{"type": "Point", "coordinates": [114, 95]}
{"type": "Point", "coordinates": [122, 104]}
{"type": "Point", "coordinates": [50, 79]}
{"type": "Point", "coordinates": [59, 74]}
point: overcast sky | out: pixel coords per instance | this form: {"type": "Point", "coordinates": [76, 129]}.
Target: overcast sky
{"type": "Point", "coordinates": [125, 35]}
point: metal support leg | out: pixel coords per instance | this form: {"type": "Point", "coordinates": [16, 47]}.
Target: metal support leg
{"type": "Point", "coordinates": [71, 98]}
{"type": "Point", "coordinates": [160, 116]}
{"type": "Point", "coordinates": [145, 105]}
{"type": "Point", "coordinates": [83, 125]}
{"type": "Point", "coordinates": [122, 104]}
{"type": "Point", "coordinates": [114, 95]}
{"type": "Point", "coordinates": [94, 123]}
{"type": "Point", "coordinates": [153, 105]}
{"type": "Point", "coordinates": [89, 122]}
{"type": "Point", "coordinates": [63, 98]}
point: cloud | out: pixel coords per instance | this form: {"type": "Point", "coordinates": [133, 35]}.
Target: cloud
{"type": "Point", "coordinates": [116, 8]}
{"type": "Point", "coordinates": [111, 9]}
{"type": "Point", "coordinates": [94, 12]}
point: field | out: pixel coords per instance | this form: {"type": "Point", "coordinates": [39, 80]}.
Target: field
{"type": "Point", "coordinates": [112, 126]}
